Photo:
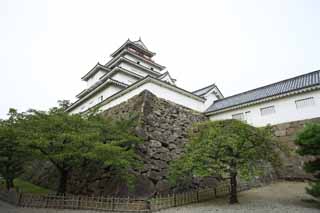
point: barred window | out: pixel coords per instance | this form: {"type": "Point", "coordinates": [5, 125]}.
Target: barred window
{"type": "Point", "coordinates": [267, 110]}
{"type": "Point", "coordinates": [303, 103]}
{"type": "Point", "coordinates": [238, 116]}
{"type": "Point", "coordinates": [101, 98]}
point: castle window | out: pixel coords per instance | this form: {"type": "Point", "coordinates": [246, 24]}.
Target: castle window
{"type": "Point", "coordinates": [101, 98]}
{"type": "Point", "coordinates": [267, 110]}
{"type": "Point", "coordinates": [238, 116]}
{"type": "Point", "coordinates": [151, 68]}
{"type": "Point", "coordinates": [247, 116]}
{"type": "Point", "coordinates": [138, 62]}
{"type": "Point", "coordinates": [303, 103]}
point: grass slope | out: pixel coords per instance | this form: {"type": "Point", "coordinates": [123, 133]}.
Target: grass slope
{"type": "Point", "coordinates": [25, 186]}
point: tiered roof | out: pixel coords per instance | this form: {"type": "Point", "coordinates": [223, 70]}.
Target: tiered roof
{"type": "Point", "coordinates": [137, 45]}
{"type": "Point", "coordinates": [136, 49]}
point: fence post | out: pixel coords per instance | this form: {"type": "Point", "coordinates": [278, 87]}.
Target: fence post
{"type": "Point", "coordinates": [112, 204]}
{"type": "Point", "coordinates": [147, 205]}
{"type": "Point", "coordinates": [79, 201]}
{"type": "Point", "coordinates": [19, 199]}
{"type": "Point", "coordinates": [47, 201]}
{"type": "Point", "coordinates": [174, 200]}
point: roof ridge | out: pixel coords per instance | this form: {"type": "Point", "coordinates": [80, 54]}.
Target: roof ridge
{"type": "Point", "coordinates": [278, 82]}
{"type": "Point", "coordinates": [204, 88]}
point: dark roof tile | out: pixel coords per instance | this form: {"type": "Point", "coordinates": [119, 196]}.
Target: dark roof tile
{"type": "Point", "coordinates": [285, 86]}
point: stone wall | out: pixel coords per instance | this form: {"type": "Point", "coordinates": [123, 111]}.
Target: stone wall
{"type": "Point", "coordinates": [285, 133]}
{"type": "Point", "coordinates": [164, 127]}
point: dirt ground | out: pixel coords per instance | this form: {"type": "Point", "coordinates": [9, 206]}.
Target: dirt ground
{"type": "Point", "coordinates": [278, 197]}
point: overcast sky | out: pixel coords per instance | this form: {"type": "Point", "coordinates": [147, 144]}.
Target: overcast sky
{"type": "Point", "coordinates": [47, 46]}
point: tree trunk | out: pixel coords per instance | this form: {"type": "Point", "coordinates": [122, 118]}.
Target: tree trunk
{"type": "Point", "coordinates": [9, 183]}
{"type": "Point", "coordinates": [233, 183]}
{"type": "Point", "coordinates": [63, 182]}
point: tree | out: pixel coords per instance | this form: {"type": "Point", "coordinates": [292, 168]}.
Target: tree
{"type": "Point", "coordinates": [68, 140]}
{"type": "Point", "coordinates": [12, 154]}
{"type": "Point", "coordinates": [228, 148]}
{"type": "Point", "coordinates": [308, 141]}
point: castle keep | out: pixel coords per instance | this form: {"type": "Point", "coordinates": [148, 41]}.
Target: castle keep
{"type": "Point", "coordinates": [132, 82]}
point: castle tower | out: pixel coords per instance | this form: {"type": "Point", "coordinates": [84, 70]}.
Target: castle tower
{"type": "Point", "coordinates": [131, 70]}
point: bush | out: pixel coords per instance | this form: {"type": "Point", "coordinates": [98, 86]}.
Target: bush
{"type": "Point", "coordinates": [308, 141]}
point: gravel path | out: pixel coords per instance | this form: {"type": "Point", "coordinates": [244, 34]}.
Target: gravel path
{"type": "Point", "coordinates": [278, 197]}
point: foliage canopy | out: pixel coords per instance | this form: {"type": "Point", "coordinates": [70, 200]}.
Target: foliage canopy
{"type": "Point", "coordinates": [69, 140]}
{"type": "Point", "coordinates": [226, 148]}
{"type": "Point", "coordinates": [12, 154]}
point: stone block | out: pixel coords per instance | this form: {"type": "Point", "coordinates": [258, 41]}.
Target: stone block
{"type": "Point", "coordinates": [155, 144]}
{"type": "Point", "coordinates": [280, 133]}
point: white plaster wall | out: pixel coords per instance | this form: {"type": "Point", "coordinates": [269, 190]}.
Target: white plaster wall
{"type": "Point", "coordinates": [125, 78]}
{"type": "Point", "coordinates": [160, 92]}
{"type": "Point", "coordinates": [133, 69]}
{"type": "Point", "coordinates": [147, 65]}
{"type": "Point", "coordinates": [95, 99]}
{"type": "Point", "coordinates": [285, 111]}
{"type": "Point", "coordinates": [95, 78]}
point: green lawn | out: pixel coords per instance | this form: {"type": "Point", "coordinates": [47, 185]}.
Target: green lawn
{"type": "Point", "coordinates": [24, 186]}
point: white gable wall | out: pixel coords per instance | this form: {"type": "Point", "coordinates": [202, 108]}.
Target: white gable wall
{"type": "Point", "coordinates": [210, 98]}
{"type": "Point", "coordinates": [285, 110]}
{"type": "Point", "coordinates": [168, 79]}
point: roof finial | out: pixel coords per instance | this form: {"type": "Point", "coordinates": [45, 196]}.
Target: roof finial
{"type": "Point", "coordinates": [139, 38]}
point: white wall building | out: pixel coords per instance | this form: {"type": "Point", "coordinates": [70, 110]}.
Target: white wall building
{"type": "Point", "coordinates": [290, 100]}
{"type": "Point", "coordinates": [132, 70]}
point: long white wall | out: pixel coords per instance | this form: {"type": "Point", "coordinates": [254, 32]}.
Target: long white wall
{"type": "Point", "coordinates": [285, 110]}
{"type": "Point", "coordinates": [95, 99]}
{"type": "Point", "coordinates": [160, 92]}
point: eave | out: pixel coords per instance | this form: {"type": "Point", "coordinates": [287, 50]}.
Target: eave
{"type": "Point", "coordinates": [134, 55]}
{"type": "Point", "coordinates": [105, 83]}
{"type": "Point", "coordinates": [121, 59]}
{"type": "Point", "coordinates": [94, 70]}
{"type": "Point", "coordinates": [115, 69]}
{"type": "Point", "coordinates": [105, 77]}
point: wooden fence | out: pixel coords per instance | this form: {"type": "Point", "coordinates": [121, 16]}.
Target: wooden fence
{"type": "Point", "coordinates": [173, 200]}
{"type": "Point", "coordinates": [114, 204]}
{"type": "Point", "coordinates": [83, 202]}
